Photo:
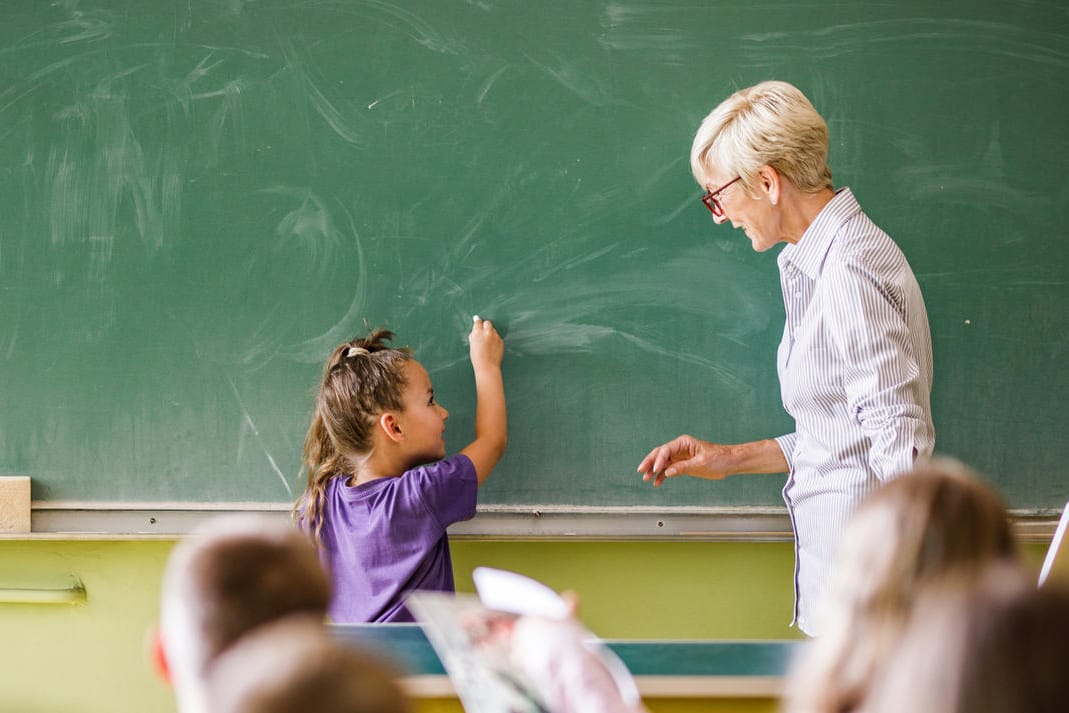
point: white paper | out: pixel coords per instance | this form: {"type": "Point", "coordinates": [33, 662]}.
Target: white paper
{"type": "Point", "coordinates": [514, 593]}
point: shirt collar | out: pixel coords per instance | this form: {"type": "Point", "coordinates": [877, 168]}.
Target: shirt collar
{"type": "Point", "coordinates": [809, 252]}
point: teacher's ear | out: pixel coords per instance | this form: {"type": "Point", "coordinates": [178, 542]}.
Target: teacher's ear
{"type": "Point", "coordinates": [769, 182]}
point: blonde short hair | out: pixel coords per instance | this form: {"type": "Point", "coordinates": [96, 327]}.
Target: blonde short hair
{"type": "Point", "coordinates": [769, 124]}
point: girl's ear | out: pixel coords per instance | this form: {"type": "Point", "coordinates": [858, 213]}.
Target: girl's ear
{"type": "Point", "coordinates": [390, 425]}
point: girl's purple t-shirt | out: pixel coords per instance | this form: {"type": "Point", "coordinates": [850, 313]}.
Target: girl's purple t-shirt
{"type": "Point", "coordinates": [383, 539]}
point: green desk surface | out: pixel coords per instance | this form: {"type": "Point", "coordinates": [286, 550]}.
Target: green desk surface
{"type": "Point", "coordinates": [409, 648]}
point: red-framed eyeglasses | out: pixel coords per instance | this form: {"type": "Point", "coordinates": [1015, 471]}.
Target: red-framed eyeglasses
{"type": "Point", "coordinates": [712, 201]}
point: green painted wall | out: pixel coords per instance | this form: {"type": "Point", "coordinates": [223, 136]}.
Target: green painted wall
{"type": "Point", "coordinates": [90, 658]}
{"type": "Point", "coordinates": [87, 658]}
{"type": "Point", "coordinates": [660, 590]}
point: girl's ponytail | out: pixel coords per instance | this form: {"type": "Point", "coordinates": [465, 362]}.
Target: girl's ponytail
{"type": "Point", "coordinates": [362, 378]}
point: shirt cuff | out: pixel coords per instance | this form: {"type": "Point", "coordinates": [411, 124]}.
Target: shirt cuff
{"type": "Point", "coordinates": [786, 444]}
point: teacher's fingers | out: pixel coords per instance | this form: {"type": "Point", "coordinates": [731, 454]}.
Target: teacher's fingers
{"type": "Point", "coordinates": [646, 466]}
{"type": "Point", "coordinates": [662, 457]}
{"type": "Point", "coordinates": [653, 466]}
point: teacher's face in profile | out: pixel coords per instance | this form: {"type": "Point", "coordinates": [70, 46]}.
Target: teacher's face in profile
{"type": "Point", "coordinates": [730, 200]}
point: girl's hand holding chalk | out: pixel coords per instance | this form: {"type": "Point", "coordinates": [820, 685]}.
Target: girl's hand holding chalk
{"type": "Point", "coordinates": [486, 346]}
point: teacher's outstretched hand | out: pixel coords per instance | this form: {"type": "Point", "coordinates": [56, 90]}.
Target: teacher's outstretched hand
{"type": "Point", "coordinates": [687, 455]}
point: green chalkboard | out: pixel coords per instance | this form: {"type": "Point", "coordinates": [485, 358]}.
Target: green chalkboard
{"type": "Point", "coordinates": [200, 198]}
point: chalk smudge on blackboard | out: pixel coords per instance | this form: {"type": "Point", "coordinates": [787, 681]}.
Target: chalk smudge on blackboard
{"type": "Point", "coordinates": [536, 337]}
{"type": "Point", "coordinates": [485, 88]}
{"type": "Point", "coordinates": [90, 192]}
{"type": "Point", "coordinates": [580, 316]}
{"type": "Point", "coordinates": [684, 204]}
{"type": "Point", "coordinates": [651, 179]}
{"type": "Point", "coordinates": [314, 350]}
{"type": "Point", "coordinates": [326, 110]}
{"type": "Point", "coordinates": [628, 27]}
{"type": "Point", "coordinates": [573, 76]}
{"type": "Point", "coordinates": [249, 426]}
{"type": "Point", "coordinates": [13, 334]}
{"type": "Point", "coordinates": [530, 335]}
{"type": "Point", "coordinates": [309, 225]}
{"type": "Point", "coordinates": [1005, 41]}
{"type": "Point", "coordinates": [203, 69]}
{"type": "Point", "coordinates": [421, 31]}
{"type": "Point", "coordinates": [574, 263]}
{"type": "Point", "coordinates": [84, 26]}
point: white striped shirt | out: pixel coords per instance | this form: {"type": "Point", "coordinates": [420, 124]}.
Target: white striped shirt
{"type": "Point", "coordinates": [855, 371]}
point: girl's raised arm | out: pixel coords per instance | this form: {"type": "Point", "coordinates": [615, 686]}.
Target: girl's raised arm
{"type": "Point", "coordinates": [491, 426]}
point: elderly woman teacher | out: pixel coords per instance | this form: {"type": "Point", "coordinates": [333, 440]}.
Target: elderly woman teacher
{"type": "Point", "coordinates": [855, 361]}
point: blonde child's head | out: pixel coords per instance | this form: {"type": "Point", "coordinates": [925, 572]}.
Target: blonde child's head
{"type": "Point", "coordinates": [363, 377]}
{"type": "Point", "coordinates": [994, 645]}
{"type": "Point", "coordinates": [938, 521]}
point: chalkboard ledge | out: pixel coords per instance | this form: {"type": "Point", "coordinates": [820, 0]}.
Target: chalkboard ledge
{"type": "Point", "coordinates": [168, 520]}
{"type": "Point", "coordinates": [145, 521]}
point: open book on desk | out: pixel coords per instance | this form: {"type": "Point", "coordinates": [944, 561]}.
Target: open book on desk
{"type": "Point", "coordinates": [515, 648]}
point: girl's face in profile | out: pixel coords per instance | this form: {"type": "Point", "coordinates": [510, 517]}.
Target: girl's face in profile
{"type": "Point", "coordinates": [423, 420]}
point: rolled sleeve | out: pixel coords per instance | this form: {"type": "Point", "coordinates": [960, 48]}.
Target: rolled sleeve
{"type": "Point", "coordinates": [787, 443]}
{"type": "Point", "coordinates": [881, 376]}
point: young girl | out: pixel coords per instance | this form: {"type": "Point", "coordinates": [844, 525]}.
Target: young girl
{"type": "Point", "coordinates": [381, 492]}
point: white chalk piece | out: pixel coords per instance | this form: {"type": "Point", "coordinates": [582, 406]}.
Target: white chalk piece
{"type": "Point", "coordinates": [14, 504]}
{"type": "Point", "coordinates": [475, 318]}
